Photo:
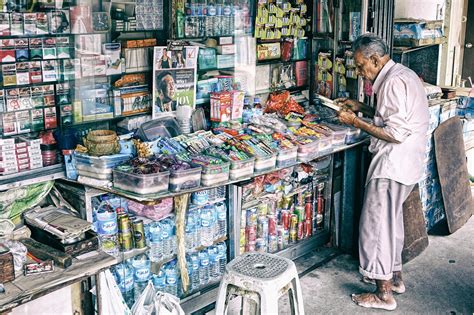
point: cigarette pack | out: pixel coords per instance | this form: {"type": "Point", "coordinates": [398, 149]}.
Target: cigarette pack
{"type": "Point", "coordinates": [17, 23]}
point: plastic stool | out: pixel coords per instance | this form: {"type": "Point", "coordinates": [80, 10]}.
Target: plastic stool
{"type": "Point", "coordinates": [263, 278]}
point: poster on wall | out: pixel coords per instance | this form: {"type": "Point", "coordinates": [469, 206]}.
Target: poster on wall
{"type": "Point", "coordinates": [174, 79]}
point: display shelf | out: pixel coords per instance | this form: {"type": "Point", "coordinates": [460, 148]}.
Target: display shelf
{"type": "Point", "coordinates": [290, 89]}
{"type": "Point", "coordinates": [200, 71]}
{"type": "Point", "coordinates": [277, 61]}
{"type": "Point", "coordinates": [24, 289]}
{"type": "Point", "coordinates": [36, 176]}
{"type": "Point", "coordinates": [106, 119]}
{"type": "Point", "coordinates": [153, 197]}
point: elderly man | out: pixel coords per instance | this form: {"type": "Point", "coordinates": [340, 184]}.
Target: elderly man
{"type": "Point", "coordinates": [400, 123]}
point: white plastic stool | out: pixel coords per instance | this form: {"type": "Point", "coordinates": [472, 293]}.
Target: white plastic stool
{"type": "Point", "coordinates": [263, 278]}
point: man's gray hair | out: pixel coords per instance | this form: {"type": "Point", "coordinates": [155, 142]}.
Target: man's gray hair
{"type": "Point", "coordinates": [369, 44]}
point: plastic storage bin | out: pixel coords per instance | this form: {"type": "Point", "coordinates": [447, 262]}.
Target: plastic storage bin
{"type": "Point", "coordinates": [264, 163]}
{"type": "Point", "coordinates": [325, 144]}
{"type": "Point", "coordinates": [97, 173]}
{"type": "Point", "coordinates": [185, 179]}
{"type": "Point", "coordinates": [106, 161]}
{"type": "Point", "coordinates": [242, 168]}
{"type": "Point", "coordinates": [215, 173]}
{"type": "Point", "coordinates": [308, 151]}
{"type": "Point", "coordinates": [140, 183]}
{"type": "Point", "coordinates": [339, 134]}
{"type": "Point", "coordinates": [287, 157]}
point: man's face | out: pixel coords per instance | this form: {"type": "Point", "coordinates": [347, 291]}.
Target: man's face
{"type": "Point", "coordinates": [169, 90]}
{"type": "Point", "coordinates": [368, 68]}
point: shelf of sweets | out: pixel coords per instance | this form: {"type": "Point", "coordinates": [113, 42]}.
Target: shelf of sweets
{"type": "Point", "coordinates": [290, 89]}
{"type": "Point", "coordinates": [35, 176]}
{"type": "Point", "coordinates": [278, 61]}
{"type": "Point", "coordinates": [153, 197]}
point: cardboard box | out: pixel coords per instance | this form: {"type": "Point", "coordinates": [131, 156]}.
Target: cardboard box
{"type": "Point", "coordinates": [226, 49]}
{"type": "Point", "coordinates": [225, 61]}
{"type": "Point", "coordinates": [221, 106]}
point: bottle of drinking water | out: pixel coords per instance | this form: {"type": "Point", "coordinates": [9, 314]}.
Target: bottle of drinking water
{"type": "Point", "coordinates": [156, 242]}
{"type": "Point", "coordinates": [159, 280]}
{"type": "Point", "coordinates": [172, 233]}
{"type": "Point", "coordinates": [222, 249]}
{"type": "Point", "coordinates": [195, 278]}
{"type": "Point", "coordinates": [190, 230]}
{"type": "Point", "coordinates": [172, 278]}
{"type": "Point", "coordinates": [214, 270]}
{"type": "Point", "coordinates": [207, 225]}
{"type": "Point", "coordinates": [141, 273]}
{"type": "Point", "coordinates": [197, 220]}
{"type": "Point", "coordinates": [124, 277]}
{"type": "Point", "coordinates": [220, 192]}
{"type": "Point", "coordinates": [166, 238]}
{"type": "Point", "coordinates": [203, 267]}
{"type": "Point", "coordinates": [221, 219]}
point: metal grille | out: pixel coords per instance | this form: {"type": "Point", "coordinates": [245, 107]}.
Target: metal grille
{"type": "Point", "coordinates": [259, 266]}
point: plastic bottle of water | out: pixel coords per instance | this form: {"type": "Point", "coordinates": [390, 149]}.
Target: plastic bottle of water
{"type": "Point", "coordinates": [220, 192]}
{"type": "Point", "coordinates": [221, 219]}
{"type": "Point", "coordinates": [203, 268]}
{"type": "Point", "coordinates": [172, 240]}
{"type": "Point", "coordinates": [214, 271]}
{"type": "Point", "coordinates": [222, 248]}
{"type": "Point", "coordinates": [141, 273]}
{"type": "Point", "coordinates": [195, 278]}
{"type": "Point", "coordinates": [215, 226]}
{"type": "Point", "coordinates": [190, 230]}
{"type": "Point", "coordinates": [197, 232]}
{"type": "Point", "coordinates": [159, 280]}
{"type": "Point", "coordinates": [166, 238]}
{"type": "Point", "coordinates": [156, 242]}
{"type": "Point", "coordinates": [207, 226]}
{"type": "Point", "coordinates": [172, 278]}
{"type": "Point", "coordinates": [124, 277]}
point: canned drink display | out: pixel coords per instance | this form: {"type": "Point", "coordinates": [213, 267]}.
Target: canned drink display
{"type": "Point", "coordinates": [300, 212]}
{"type": "Point", "coordinates": [262, 227]}
{"type": "Point", "coordinates": [293, 236]}
{"type": "Point", "coordinates": [126, 242]}
{"type": "Point", "coordinates": [272, 224]}
{"type": "Point", "coordinates": [308, 211]}
{"type": "Point", "coordinates": [293, 222]}
{"type": "Point", "coordinates": [308, 228]}
{"type": "Point", "coordinates": [250, 233]}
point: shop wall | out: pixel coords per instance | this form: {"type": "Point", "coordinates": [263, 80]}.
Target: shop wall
{"type": "Point", "coordinates": [419, 9]}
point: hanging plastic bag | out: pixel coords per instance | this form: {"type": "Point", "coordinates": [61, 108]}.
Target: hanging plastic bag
{"type": "Point", "coordinates": [111, 300]}
{"type": "Point", "coordinates": [156, 303]}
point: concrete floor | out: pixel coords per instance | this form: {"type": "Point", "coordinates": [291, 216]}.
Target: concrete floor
{"type": "Point", "coordinates": [439, 281]}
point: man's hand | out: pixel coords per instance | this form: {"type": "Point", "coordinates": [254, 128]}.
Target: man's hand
{"type": "Point", "coordinates": [347, 117]}
{"type": "Point", "coordinates": [346, 103]}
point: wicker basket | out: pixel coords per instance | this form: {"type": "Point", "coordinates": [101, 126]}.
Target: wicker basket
{"type": "Point", "coordinates": [7, 268]}
{"type": "Point", "coordinates": [102, 142]}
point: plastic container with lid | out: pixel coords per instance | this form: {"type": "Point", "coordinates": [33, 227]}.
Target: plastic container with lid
{"type": "Point", "coordinates": [325, 144]}
{"type": "Point", "coordinates": [242, 168]}
{"type": "Point", "coordinates": [308, 151]}
{"type": "Point", "coordinates": [339, 134]}
{"type": "Point", "coordinates": [185, 179]}
{"type": "Point", "coordinates": [213, 174]}
{"type": "Point", "coordinates": [287, 157]}
{"type": "Point", "coordinates": [95, 175]}
{"type": "Point", "coordinates": [106, 161]}
{"type": "Point", "coordinates": [142, 184]}
{"type": "Point", "coordinates": [264, 162]}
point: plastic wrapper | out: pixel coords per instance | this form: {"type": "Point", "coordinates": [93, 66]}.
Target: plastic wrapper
{"type": "Point", "coordinates": [19, 252]}
{"type": "Point", "coordinates": [155, 302]}
{"type": "Point", "coordinates": [162, 209]}
{"type": "Point", "coordinates": [282, 103]}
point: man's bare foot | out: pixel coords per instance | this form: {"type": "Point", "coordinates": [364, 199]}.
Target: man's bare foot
{"type": "Point", "coordinates": [381, 299]}
{"type": "Point", "coordinates": [397, 283]}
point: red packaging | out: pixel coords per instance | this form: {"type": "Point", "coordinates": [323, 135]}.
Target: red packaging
{"type": "Point", "coordinates": [250, 234]}
{"type": "Point", "coordinates": [221, 106]}
{"type": "Point", "coordinates": [272, 225]}
{"type": "Point", "coordinates": [308, 228]}
{"type": "Point", "coordinates": [285, 219]}
{"type": "Point", "coordinates": [308, 210]}
{"type": "Point", "coordinates": [300, 231]}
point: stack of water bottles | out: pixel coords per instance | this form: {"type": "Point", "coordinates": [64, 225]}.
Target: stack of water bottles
{"type": "Point", "coordinates": [161, 239]}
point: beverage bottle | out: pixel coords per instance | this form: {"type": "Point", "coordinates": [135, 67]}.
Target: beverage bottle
{"type": "Point", "coordinates": [220, 192]}
{"type": "Point", "coordinates": [195, 279]}
{"type": "Point", "coordinates": [156, 242]}
{"type": "Point", "coordinates": [172, 278]}
{"type": "Point", "coordinates": [221, 219]}
{"type": "Point", "coordinates": [222, 249]}
{"type": "Point", "coordinates": [207, 226]}
{"type": "Point", "coordinates": [246, 18]}
{"type": "Point", "coordinates": [214, 270]}
{"type": "Point", "coordinates": [227, 18]}
{"type": "Point", "coordinates": [141, 273]}
{"type": "Point", "coordinates": [203, 267]}
{"type": "Point", "coordinates": [257, 107]}
{"type": "Point", "coordinates": [211, 18]}
{"type": "Point", "coordinates": [190, 230]}
{"type": "Point", "coordinates": [247, 112]}
{"type": "Point", "coordinates": [173, 241]}
{"type": "Point", "coordinates": [166, 238]}
{"type": "Point", "coordinates": [124, 277]}
{"type": "Point", "coordinates": [159, 280]}
{"type": "Point", "coordinates": [197, 232]}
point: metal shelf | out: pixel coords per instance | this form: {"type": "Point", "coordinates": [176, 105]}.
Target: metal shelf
{"type": "Point", "coordinates": [32, 177]}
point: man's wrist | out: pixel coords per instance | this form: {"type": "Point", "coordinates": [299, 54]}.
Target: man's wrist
{"type": "Point", "coordinates": [354, 120]}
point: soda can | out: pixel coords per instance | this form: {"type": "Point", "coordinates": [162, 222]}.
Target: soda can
{"type": "Point", "coordinates": [124, 224]}
{"type": "Point", "coordinates": [280, 237]}
{"type": "Point", "coordinates": [260, 245]}
{"type": "Point", "coordinates": [285, 219]}
{"type": "Point", "coordinates": [294, 222]}
{"type": "Point", "coordinates": [250, 246]}
{"type": "Point", "coordinates": [272, 244]}
{"type": "Point", "coordinates": [286, 238]}
{"type": "Point", "coordinates": [286, 203]}
{"type": "Point", "coordinates": [308, 228]}
{"type": "Point", "coordinates": [272, 223]}
{"type": "Point", "coordinates": [252, 217]}
{"type": "Point", "coordinates": [138, 233]}
{"type": "Point", "coordinates": [308, 211]}
{"type": "Point", "coordinates": [300, 231]}
{"type": "Point", "coordinates": [262, 227]}
{"type": "Point", "coordinates": [126, 242]}
{"type": "Point", "coordinates": [293, 235]}
{"type": "Point", "coordinates": [250, 234]}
